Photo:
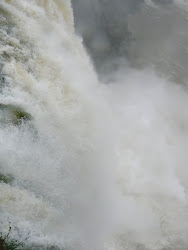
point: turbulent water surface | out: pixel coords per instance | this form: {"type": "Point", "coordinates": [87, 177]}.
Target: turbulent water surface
{"type": "Point", "coordinates": [94, 160]}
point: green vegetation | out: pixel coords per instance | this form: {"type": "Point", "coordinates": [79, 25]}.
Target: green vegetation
{"type": "Point", "coordinates": [13, 114]}
{"type": "Point", "coordinates": [6, 178]}
{"type": "Point", "coordinates": [11, 244]}
{"type": "Point", "coordinates": [8, 244]}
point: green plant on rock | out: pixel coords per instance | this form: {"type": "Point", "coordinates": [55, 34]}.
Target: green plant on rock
{"type": "Point", "coordinates": [8, 179]}
{"type": "Point", "coordinates": [13, 114]}
{"type": "Point", "coordinates": [8, 244]}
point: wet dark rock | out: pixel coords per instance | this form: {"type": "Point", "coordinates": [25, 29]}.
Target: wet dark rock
{"type": "Point", "coordinates": [2, 246]}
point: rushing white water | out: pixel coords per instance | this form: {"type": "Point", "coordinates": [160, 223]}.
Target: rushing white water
{"type": "Point", "coordinates": [98, 166]}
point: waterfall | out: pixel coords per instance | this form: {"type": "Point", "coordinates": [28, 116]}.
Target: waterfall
{"type": "Point", "coordinates": [93, 160]}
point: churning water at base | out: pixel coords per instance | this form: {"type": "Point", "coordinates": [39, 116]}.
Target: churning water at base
{"type": "Point", "coordinates": [96, 166]}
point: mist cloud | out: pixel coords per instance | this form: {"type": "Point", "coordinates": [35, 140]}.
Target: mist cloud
{"type": "Point", "coordinates": [144, 35]}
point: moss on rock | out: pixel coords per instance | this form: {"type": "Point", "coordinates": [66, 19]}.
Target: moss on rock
{"type": "Point", "coordinates": [8, 179]}
{"type": "Point", "coordinates": [13, 114]}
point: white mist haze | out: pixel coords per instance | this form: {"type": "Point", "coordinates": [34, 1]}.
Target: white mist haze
{"type": "Point", "coordinates": [150, 33]}
{"type": "Point", "coordinates": [102, 163]}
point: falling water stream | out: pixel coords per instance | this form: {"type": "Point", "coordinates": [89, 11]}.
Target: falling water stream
{"type": "Point", "coordinates": [93, 160]}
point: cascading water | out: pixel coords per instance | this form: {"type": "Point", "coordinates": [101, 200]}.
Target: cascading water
{"type": "Point", "coordinates": [83, 164]}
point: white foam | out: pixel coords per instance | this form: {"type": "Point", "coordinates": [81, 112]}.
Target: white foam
{"type": "Point", "coordinates": [98, 164]}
